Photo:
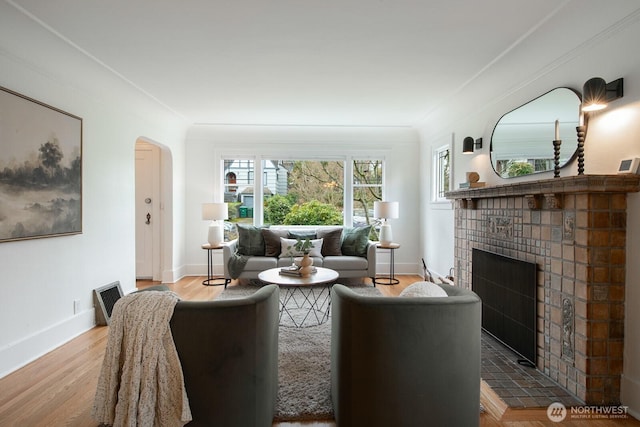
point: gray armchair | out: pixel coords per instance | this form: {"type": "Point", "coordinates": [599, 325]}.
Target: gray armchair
{"type": "Point", "coordinates": [229, 355]}
{"type": "Point", "coordinates": [405, 361]}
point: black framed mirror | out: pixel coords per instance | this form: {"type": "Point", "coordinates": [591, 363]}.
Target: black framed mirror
{"type": "Point", "coordinates": [522, 140]}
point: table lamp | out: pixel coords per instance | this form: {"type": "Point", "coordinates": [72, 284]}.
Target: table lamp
{"type": "Point", "coordinates": [385, 211]}
{"type": "Point", "coordinates": [216, 213]}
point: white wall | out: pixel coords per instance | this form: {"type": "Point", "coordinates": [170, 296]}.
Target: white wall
{"type": "Point", "coordinates": [613, 135]}
{"type": "Point", "coordinates": [398, 146]}
{"type": "Point", "coordinates": [41, 278]}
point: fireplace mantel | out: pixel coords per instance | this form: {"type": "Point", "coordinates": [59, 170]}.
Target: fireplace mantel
{"type": "Point", "coordinates": [627, 183]}
{"type": "Point", "coordinates": [574, 230]}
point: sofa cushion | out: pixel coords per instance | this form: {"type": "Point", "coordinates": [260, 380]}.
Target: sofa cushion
{"type": "Point", "coordinates": [355, 240]}
{"type": "Point", "coordinates": [288, 250]}
{"type": "Point", "coordinates": [345, 263]}
{"type": "Point", "coordinates": [332, 241]}
{"type": "Point", "coordinates": [260, 263]}
{"type": "Point", "coordinates": [250, 240]}
{"type": "Point", "coordinates": [423, 289]}
{"type": "Point", "coordinates": [272, 241]}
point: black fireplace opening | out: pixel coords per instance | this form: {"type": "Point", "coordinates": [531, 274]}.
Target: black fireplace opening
{"type": "Point", "coordinates": [507, 288]}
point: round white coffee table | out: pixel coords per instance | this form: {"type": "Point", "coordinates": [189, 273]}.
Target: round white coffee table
{"type": "Point", "coordinates": [303, 299]}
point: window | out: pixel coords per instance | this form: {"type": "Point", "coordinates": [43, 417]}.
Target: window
{"type": "Point", "coordinates": [442, 173]}
{"type": "Point", "coordinates": [305, 192]}
{"type": "Point", "coordinates": [367, 188]}
{"type": "Point", "coordinates": [238, 189]}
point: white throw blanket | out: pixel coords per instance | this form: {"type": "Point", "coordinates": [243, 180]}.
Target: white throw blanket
{"type": "Point", "coordinates": [141, 381]}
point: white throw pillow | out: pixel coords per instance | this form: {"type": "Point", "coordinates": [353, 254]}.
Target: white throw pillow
{"type": "Point", "coordinates": [287, 248]}
{"type": "Point", "coordinates": [423, 289]}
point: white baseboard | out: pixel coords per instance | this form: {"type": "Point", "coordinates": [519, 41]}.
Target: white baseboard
{"type": "Point", "coordinates": [201, 270]}
{"type": "Point", "coordinates": [630, 395]}
{"type": "Point", "coordinates": [400, 268]}
{"type": "Point", "coordinates": [18, 354]}
{"type": "Point", "coordinates": [172, 276]}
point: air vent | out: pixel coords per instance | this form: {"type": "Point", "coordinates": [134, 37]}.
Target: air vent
{"type": "Point", "coordinates": [104, 298]}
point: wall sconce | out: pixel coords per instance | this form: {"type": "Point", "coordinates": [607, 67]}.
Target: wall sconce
{"type": "Point", "coordinates": [468, 144]}
{"type": "Point", "coordinates": [596, 94]}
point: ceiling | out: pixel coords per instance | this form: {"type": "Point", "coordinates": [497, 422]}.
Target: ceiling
{"type": "Point", "coordinates": [305, 62]}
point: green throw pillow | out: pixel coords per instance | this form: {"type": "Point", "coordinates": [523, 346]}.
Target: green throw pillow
{"type": "Point", "coordinates": [355, 240]}
{"type": "Point", "coordinates": [250, 240]}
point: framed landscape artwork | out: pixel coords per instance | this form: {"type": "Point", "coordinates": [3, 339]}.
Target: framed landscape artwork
{"type": "Point", "coordinates": [40, 169]}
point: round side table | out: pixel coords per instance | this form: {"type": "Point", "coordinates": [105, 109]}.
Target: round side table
{"type": "Point", "coordinates": [210, 280]}
{"type": "Point", "coordinates": [390, 279]}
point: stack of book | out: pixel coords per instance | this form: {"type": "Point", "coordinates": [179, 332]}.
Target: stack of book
{"type": "Point", "coordinates": [294, 271]}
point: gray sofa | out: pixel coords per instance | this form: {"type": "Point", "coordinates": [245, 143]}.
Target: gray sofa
{"type": "Point", "coordinates": [229, 355]}
{"type": "Point", "coordinates": [405, 361]}
{"type": "Point", "coordinates": [336, 254]}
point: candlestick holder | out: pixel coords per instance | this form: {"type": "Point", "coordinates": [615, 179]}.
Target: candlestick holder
{"type": "Point", "coordinates": [556, 157]}
{"type": "Point", "coordinates": [581, 131]}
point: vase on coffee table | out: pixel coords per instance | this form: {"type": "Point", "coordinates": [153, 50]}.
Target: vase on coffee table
{"type": "Point", "coordinates": [306, 266]}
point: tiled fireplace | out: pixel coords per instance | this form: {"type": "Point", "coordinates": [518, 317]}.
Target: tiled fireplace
{"type": "Point", "coordinates": [574, 230]}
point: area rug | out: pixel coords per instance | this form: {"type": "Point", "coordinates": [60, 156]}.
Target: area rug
{"type": "Point", "coordinates": [304, 364]}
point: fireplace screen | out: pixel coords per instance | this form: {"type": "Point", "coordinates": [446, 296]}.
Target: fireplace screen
{"type": "Point", "coordinates": [507, 287]}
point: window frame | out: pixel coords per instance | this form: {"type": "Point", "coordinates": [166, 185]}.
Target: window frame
{"type": "Point", "coordinates": [355, 187]}
{"type": "Point", "coordinates": [258, 160]}
{"type": "Point", "coordinates": [440, 184]}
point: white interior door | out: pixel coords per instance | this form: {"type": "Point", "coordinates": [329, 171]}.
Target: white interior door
{"type": "Point", "coordinates": [147, 211]}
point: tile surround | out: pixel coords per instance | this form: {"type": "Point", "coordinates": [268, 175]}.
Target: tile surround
{"type": "Point", "coordinates": [517, 385]}
{"type": "Point", "coordinates": [574, 229]}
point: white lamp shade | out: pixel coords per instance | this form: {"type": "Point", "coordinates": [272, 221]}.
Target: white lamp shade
{"type": "Point", "coordinates": [386, 210]}
{"type": "Point", "coordinates": [215, 211]}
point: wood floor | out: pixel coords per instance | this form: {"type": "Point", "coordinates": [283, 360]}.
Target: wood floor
{"type": "Point", "coordinates": [58, 388]}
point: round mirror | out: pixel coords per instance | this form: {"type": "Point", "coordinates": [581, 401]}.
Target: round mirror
{"type": "Point", "coordinates": [522, 140]}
